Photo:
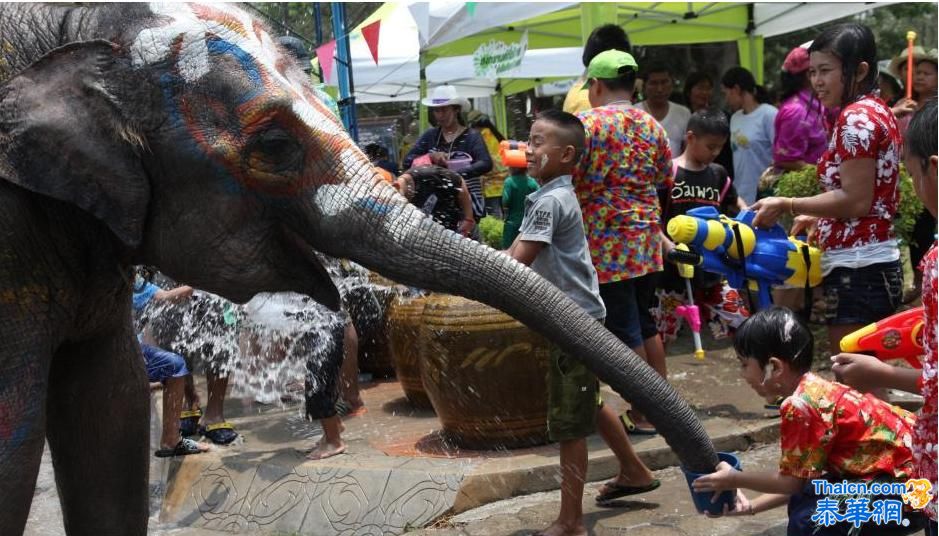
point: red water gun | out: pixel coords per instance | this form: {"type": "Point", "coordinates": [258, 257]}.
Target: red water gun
{"type": "Point", "coordinates": [896, 337]}
{"type": "Point", "coordinates": [513, 153]}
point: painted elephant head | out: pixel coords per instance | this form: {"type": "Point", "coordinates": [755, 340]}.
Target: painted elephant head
{"type": "Point", "coordinates": [205, 151]}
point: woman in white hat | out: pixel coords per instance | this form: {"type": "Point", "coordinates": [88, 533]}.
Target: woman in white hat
{"type": "Point", "coordinates": [450, 136]}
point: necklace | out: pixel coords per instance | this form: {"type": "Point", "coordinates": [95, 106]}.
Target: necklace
{"type": "Point", "coordinates": [450, 135]}
{"type": "Point", "coordinates": [627, 102]}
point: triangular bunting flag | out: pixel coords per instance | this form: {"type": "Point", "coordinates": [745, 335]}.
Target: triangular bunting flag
{"type": "Point", "coordinates": [370, 33]}
{"type": "Point", "coordinates": [324, 55]}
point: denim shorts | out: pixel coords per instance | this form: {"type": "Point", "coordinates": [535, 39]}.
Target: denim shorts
{"type": "Point", "coordinates": [622, 311]}
{"type": "Point", "coordinates": [645, 303]}
{"type": "Point", "coordinates": [862, 295]}
{"type": "Point", "coordinates": [163, 365]}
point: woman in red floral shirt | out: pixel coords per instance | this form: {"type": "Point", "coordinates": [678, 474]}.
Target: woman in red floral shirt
{"type": "Point", "coordinates": [827, 431]}
{"type": "Point", "coordinates": [859, 173]}
{"type": "Point", "coordinates": [865, 372]}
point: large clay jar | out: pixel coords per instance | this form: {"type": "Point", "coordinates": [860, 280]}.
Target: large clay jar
{"type": "Point", "coordinates": [485, 373]}
{"type": "Point", "coordinates": [367, 305]}
{"type": "Point", "coordinates": [403, 327]}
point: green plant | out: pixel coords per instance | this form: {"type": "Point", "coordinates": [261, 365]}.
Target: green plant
{"type": "Point", "coordinates": [490, 229]}
{"type": "Point", "coordinates": [804, 183]}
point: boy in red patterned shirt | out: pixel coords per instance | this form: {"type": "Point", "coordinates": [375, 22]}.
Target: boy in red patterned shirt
{"type": "Point", "coordinates": [828, 430]}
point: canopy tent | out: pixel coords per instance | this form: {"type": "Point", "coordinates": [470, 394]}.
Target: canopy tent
{"type": "Point", "coordinates": [451, 28]}
{"type": "Point", "coordinates": [442, 35]}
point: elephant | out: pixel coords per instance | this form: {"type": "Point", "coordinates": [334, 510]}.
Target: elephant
{"type": "Point", "coordinates": [181, 136]}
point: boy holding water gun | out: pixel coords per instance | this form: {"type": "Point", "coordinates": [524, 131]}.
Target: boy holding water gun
{"type": "Point", "coordinates": [866, 372]}
{"type": "Point", "coordinates": [699, 182]}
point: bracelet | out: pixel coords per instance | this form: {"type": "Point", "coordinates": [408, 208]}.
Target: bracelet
{"type": "Point", "coordinates": [792, 206]}
{"type": "Point", "coordinates": [750, 509]}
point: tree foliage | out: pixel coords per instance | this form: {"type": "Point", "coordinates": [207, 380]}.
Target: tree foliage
{"type": "Point", "coordinates": [888, 23]}
{"type": "Point", "coordinates": [298, 18]}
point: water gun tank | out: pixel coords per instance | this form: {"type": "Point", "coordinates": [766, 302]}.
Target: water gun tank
{"type": "Point", "coordinates": [513, 153]}
{"type": "Point", "coordinates": [896, 337]}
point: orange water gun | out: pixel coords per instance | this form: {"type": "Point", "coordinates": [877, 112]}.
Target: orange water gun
{"type": "Point", "coordinates": [513, 153]}
{"type": "Point", "coordinates": [896, 337]}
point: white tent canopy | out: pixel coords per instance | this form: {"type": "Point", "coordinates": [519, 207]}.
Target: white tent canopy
{"type": "Point", "coordinates": [410, 27]}
{"type": "Point", "coordinates": [445, 21]}
{"type": "Point", "coordinates": [777, 19]}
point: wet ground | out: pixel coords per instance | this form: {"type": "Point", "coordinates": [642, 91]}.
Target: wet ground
{"type": "Point", "coordinates": [396, 477]}
{"type": "Point", "coordinates": [667, 511]}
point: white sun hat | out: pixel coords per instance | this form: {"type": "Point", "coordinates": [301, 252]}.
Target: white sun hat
{"type": "Point", "coordinates": [446, 95]}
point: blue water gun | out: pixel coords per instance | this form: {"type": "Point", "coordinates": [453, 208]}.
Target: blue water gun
{"type": "Point", "coordinates": [749, 258]}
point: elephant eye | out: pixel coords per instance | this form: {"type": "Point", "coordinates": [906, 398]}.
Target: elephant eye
{"type": "Point", "coordinates": [275, 151]}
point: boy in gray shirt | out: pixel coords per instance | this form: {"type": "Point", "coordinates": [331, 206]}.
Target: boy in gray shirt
{"type": "Point", "coordinates": [551, 241]}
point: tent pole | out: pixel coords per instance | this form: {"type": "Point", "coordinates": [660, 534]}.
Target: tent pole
{"type": "Point", "coordinates": [423, 118]}
{"type": "Point", "coordinates": [498, 109]}
{"type": "Point", "coordinates": [344, 70]}
{"type": "Point", "coordinates": [593, 14]}
{"type": "Point", "coordinates": [318, 25]}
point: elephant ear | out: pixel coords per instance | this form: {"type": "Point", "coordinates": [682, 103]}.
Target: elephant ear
{"type": "Point", "coordinates": [63, 135]}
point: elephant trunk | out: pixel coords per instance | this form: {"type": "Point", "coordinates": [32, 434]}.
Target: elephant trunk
{"type": "Point", "coordinates": [384, 233]}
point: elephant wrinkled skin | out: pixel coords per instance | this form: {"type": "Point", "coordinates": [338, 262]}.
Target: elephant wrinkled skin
{"type": "Point", "coordinates": [180, 136]}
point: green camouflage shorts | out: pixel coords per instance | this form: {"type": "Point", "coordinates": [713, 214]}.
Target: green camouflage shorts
{"type": "Point", "coordinates": [573, 398]}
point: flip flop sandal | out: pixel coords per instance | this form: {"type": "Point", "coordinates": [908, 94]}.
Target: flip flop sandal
{"type": "Point", "coordinates": [220, 433]}
{"type": "Point", "coordinates": [183, 448]}
{"type": "Point", "coordinates": [631, 427]}
{"type": "Point", "coordinates": [774, 406]}
{"type": "Point", "coordinates": [189, 422]}
{"type": "Point", "coordinates": [617, 491]}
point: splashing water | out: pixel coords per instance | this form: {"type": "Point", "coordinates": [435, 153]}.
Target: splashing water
{"type": "Point", "coordinates": [271, 342]}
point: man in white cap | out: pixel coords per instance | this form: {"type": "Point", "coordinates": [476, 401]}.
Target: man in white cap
{"type": "Point", "coordinates": [449, 143]}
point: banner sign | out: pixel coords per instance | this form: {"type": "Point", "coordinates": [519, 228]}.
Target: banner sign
{"type": "Point", "coordinates": [495, 58]}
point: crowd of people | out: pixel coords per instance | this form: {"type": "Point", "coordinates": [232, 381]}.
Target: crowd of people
{"type": "Point", "coordinates": [588, 213]}
{"type": "Point", "coordinates": [602, 202]}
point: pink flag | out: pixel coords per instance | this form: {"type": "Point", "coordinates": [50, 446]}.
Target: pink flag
{"type": "Point", "coordinates": [370, 33]}
{"type": "Point", "coordinates": [324, 55]}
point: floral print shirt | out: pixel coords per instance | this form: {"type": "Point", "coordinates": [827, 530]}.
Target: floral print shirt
{"type": "Point", "coordinates": [864, 129]}
{"type": "Point", "coordinates": [829, 428]}
{"type": "Point", "coordinates": [924, 434]}
{"type": "Point", "coordinates": [627, 156]}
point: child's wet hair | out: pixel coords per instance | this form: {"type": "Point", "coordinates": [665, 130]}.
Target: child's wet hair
{"type": "Point", "coordinates": [775, 332]}
{"type": "Point", "coordinates": [571, 129]}
{"type": "Point", "coordinates": [709, 122]}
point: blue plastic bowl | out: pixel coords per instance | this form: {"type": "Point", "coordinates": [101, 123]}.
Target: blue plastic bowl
{"type": "Point", "coordinates": [702, 499]}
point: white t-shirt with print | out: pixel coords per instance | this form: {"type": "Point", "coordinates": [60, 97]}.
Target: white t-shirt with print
{"type": "Point", "coordinates": [675, 124]}
{"type": "Point", "coordinates": [751, 139]}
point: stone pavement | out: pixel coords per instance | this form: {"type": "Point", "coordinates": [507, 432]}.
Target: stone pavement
{"type": "Point", "coordinates": [398, 474]}
{"type": "Point", "coordinates": [667, 511]}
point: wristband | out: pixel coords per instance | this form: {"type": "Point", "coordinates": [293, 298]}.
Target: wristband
{"type": "Point", "coordinates": [792, 206]}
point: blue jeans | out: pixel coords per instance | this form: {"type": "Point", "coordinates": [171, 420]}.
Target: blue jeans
{"type": "Point", "coordinates": [622, 311]}
{"type": "Point", "coordinates": [863, 295]}
{"type": "Point", "coordinates": [162, 365]}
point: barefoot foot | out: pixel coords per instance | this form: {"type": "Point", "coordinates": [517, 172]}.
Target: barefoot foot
{"type": "Point", "coordinates": [563, 529]}
{"type": "Point", "coordinates": [323, 450]}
